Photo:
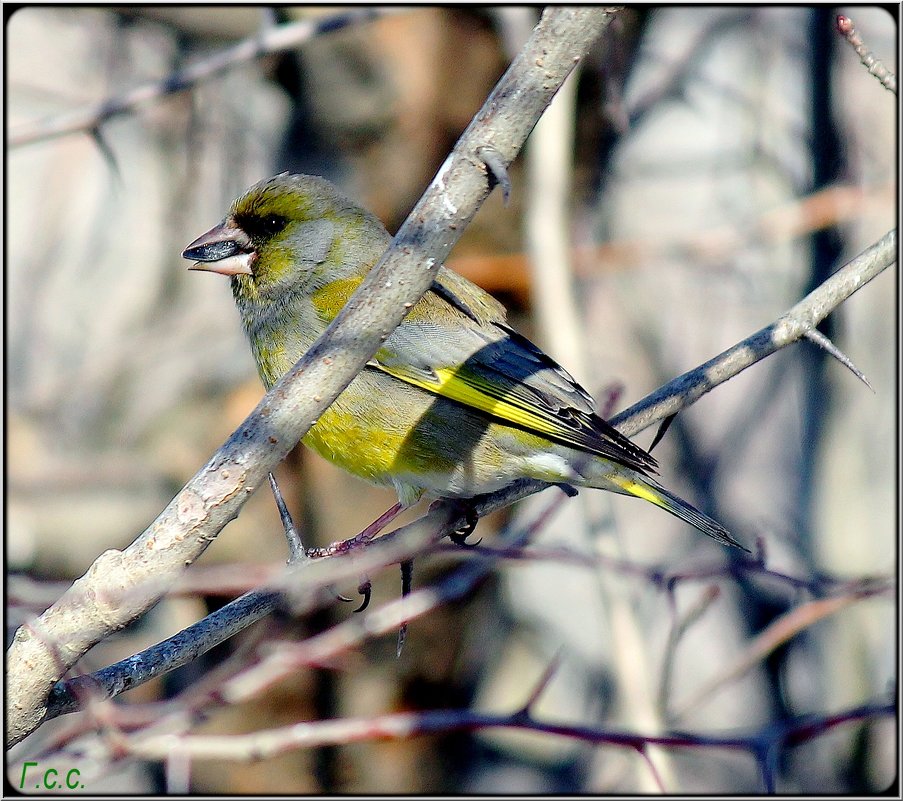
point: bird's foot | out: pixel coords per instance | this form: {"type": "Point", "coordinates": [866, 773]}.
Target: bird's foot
{"type": "Point", "coordinates": [364, 588]}
{"type": "Point", "coordinates": [344, 546]}
{"type": "Point", "coordinates": [471, 518]}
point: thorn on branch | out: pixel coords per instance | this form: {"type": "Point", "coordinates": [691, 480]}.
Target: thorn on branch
{"type": "Point", "coordinates": [662, 430]}
{"type": "Point", "coordinates": [107, 152]}
{"type": "Point", "coordinates": [659, 580]}
{"type": "Point", "coordinates": [551, 669]}
{"type": "Point", "coordinates": [818, 338]}
{"type": "Point", "coordinates": [296, 551]}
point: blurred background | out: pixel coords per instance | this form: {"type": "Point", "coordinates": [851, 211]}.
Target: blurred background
{"type": "Point", "coordinates": [704, 171]}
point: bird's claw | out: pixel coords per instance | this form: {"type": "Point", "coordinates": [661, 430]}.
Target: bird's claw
{"type": "Point", "coordinates": [364, 588]}
{"type": "Point", "coordinates": [459, 536]}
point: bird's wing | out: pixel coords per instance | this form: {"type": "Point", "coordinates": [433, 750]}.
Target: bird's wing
{"type": "Point", "coordinates": [455, 343]}
{"type": "Point", "coordinates": [468, 298]}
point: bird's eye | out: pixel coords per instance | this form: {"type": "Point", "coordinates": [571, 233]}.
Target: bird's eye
{"type": "Point", "coordinates": [273, 224]}
{"type": "Point", "coordinates": [263, 227]}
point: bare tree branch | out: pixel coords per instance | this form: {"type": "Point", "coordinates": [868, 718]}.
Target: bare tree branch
{"type": "Point", "coordinates": [303, 590]}
{"type": "Point", "coordinates": [122, 585]}
{"type": "Point", "coordinates": [803, 317]}
{"type": "Point", "coordinates": [276, 39]}
{"type": "Point", "coordinates": [773, 636]}
{"type": "Point", "coordinates": [760, 744]}
{"type": "Point", "coordinates": [407, 541]}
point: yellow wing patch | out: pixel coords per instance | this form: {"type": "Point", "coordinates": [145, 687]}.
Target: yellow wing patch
{"type": "Point", "coordinates": [567, 426]}
{"type": "Point", "coordinates": [452, 384]}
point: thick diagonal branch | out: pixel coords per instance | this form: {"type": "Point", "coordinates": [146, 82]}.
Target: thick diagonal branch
{"type": "Point", "coordinates": [122, 585]}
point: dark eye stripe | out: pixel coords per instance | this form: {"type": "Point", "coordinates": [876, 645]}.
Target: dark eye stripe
{"type": "Point", "coordinates": [262, 227]}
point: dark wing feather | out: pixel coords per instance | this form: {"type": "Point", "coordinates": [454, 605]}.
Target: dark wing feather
{"type": "Point", "coordinates": [463, 350]}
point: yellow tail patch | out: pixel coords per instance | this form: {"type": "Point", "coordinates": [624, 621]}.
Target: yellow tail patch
{"type": "Point", "coordinates": [639, 490]}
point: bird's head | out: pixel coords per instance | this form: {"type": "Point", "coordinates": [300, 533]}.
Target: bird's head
{"type": "Point", "coordinates": [289, 231]}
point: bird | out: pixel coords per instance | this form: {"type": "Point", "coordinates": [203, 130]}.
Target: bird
{"type": "Point", "coordinates": [455, 403]}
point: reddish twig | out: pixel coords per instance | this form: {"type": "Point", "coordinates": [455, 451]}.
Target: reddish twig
{"type": "Point", "coordinates": [885, 77]}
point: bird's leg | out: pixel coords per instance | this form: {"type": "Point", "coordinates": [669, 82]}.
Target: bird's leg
{"type": "Point", "coordinates": [379, 524]}
{"type": "Point", "coordinates": [344, 546]}
{"type": "Point", "coordinates": [359, 539]}
{"type": "Point", "coordinates": [368, 533]}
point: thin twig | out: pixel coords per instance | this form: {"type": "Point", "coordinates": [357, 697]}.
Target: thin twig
{"type": "Point", "coordinates": [540, 687]}
{"type": "Point", "coordinates": [313, 734]}
{"type": "Point", "coordinates": [774, 635]}
{"type": "Point", "coordinates": [272, 40]}
{"type": "Point", "coordinates": [789, 328]}
{"type": "Point", "coordinates": [869, 60]}
{"type": "Point", "coordinates": [679, 627]}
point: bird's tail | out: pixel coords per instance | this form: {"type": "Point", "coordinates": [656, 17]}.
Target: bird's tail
{"type": "Point", "coordinates": [652, 491]}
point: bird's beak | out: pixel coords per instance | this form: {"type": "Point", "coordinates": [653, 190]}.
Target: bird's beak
{"type": "Point", "coordinates": [226, 250]}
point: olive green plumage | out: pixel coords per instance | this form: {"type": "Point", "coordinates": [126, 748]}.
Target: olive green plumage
{"type": "Point", "coordinates": [455, 403]}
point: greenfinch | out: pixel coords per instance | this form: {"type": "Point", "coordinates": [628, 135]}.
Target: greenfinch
{"type": "Point", "coordinates": [455, 403]}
